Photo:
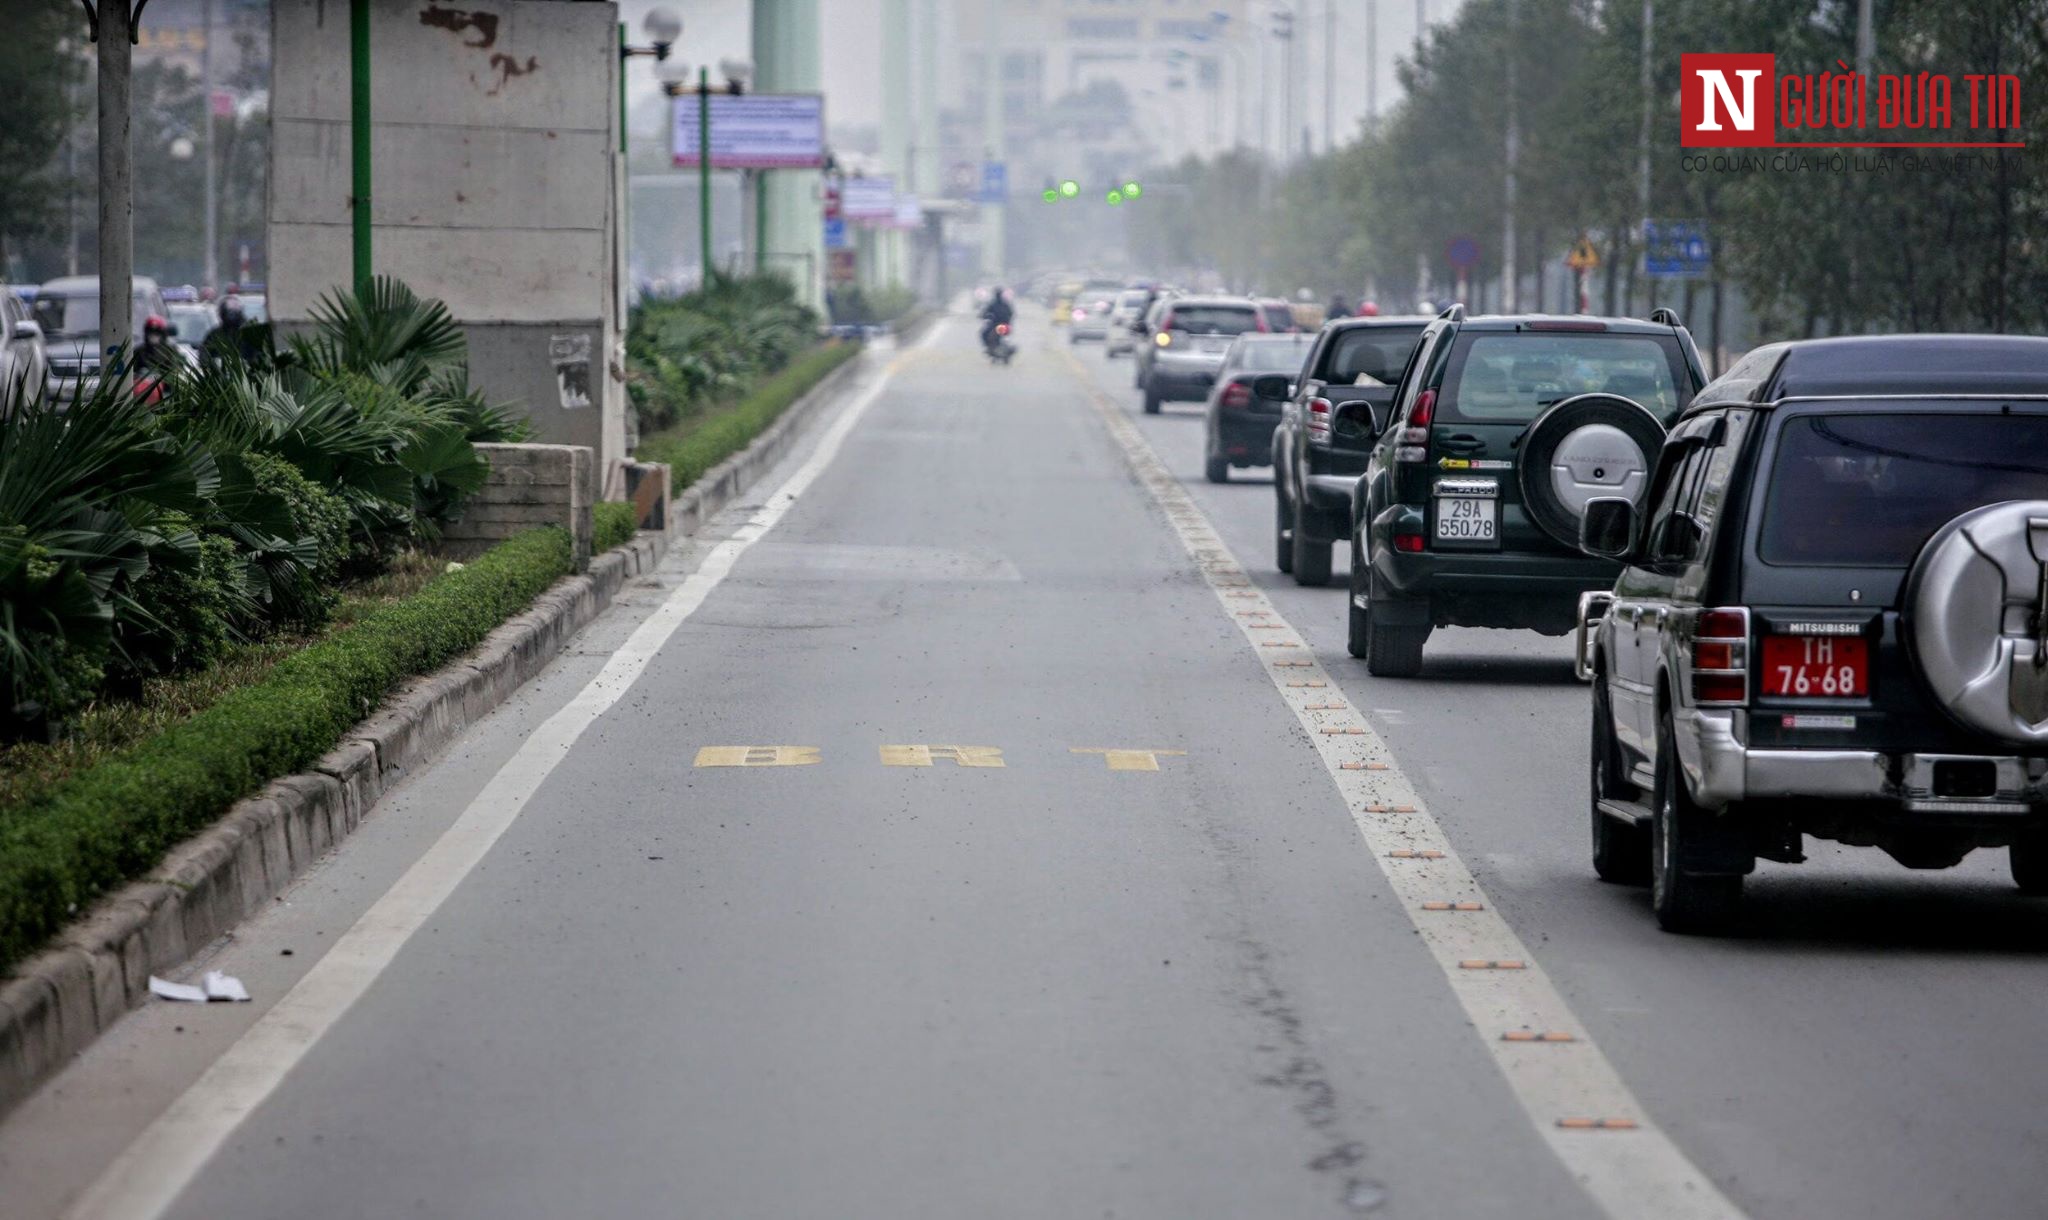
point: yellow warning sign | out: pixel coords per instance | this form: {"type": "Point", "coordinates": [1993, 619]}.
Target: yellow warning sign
{"type": "Point", "coordinates": [1583, 256]}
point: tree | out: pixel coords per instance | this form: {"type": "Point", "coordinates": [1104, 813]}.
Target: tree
{"type": "Point", "coordinates": [42, 61]}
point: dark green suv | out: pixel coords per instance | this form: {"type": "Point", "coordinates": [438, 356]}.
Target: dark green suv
{"type": "Point", "coordinates": [1502, 430]}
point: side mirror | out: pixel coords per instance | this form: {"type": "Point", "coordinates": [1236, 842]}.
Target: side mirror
{"type": "Point", "coordinates": [26, 329]}
{"type": "Point", "coordinates": [1273, 387]}
{"type": "Point", "coordinates": [1608, 529]}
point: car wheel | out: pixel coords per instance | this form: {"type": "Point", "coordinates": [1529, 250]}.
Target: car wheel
{"type": "Point", "coordinates": [1151, 399]}
{"type": "Point", "coordinates": [1683, 902]}
{"type": "Point", "coordinates": [1394, 652]}
{"type": "Point", "coordinates": [1137, 374]}
{"type": "Point", "coordinates": [2029, 858]}
{"type": "Point", "coordinates": [1360, 619]}
{"type": "Point", "coordinates": [1218, 470]}
{"type": "Point", "coordinates": [1621, 850]}
{"type": "Point", "coordinates": [1283, 534]}
{"type": "Point", "coordinates": [1311, 557]}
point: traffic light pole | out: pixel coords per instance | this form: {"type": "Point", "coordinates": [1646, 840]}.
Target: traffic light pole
{"type": "Point", "coordinates": [704, 170]}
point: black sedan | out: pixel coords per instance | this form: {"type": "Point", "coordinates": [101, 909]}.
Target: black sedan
{"type": "Point", "coordinates": [1240, 422]}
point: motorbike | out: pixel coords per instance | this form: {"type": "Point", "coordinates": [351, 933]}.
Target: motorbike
{"type": "Point", "coordinates": [997, 346]}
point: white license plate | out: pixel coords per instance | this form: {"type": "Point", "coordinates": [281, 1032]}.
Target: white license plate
{"type": "Point", "coordinates": [1214, 345]}
{"type": "Point", "coordinates": [1467, 519]}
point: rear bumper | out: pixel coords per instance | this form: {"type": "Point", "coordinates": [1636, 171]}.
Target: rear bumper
{"type": "Point", "coordinates": [1722, 770]}
{"type": "Point", "coordinates": [1182, 382]}
{"type": "Point", "coordinates": [1480, 588]}
{"type": "Point", "coordinates": [1247, 440]}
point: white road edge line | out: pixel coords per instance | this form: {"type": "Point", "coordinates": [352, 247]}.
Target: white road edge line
{"type": "Point", "coordinates": [147, 1178]}
{"type": "Point", "coordinates": [1629, 1172]}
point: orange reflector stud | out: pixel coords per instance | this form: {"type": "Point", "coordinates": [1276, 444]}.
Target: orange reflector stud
{"type": "Point", "coordinates": [1597, 1124]}
{"type": "Point", "coordinates": [1530, 1035]}
{"type": "Point", "coordinates": [1279, 644]}
{"type": "Point", "coordinates": [1323, 707]}
{"type": "Point", "coordinates": [1452, 906]}
{"type": "Point", "coordinates": [1341, 732]}
{"type": "Point", "coordinates": [1312, 685]}
{"type": "Point", "coordinates": [1403, 853]}
{"type": "Point", "coordinates": [1480, 963]}
{"type": "Point", "coordinates": [1294, 665]}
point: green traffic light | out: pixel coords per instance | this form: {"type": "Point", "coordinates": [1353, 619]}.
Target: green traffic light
{"type": "Point", "coordinates": [1132, 190]}
{"type": "Point", "coordinates": [1115, 197]}
{"type": "Point", "coordinates": [1051, 195]}
{"type": "Point", "coordinates": [1070, 188]}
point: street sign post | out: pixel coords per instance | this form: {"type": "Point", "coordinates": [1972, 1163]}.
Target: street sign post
{"type": "Point", "coordinates": [1462, 253]}
{"type": "Point", "coordinates": [995, 182]}
{"type": "Point", "coordinates": [1582, 260]}
{"type": "Point", "coordinates": [1676, 250]}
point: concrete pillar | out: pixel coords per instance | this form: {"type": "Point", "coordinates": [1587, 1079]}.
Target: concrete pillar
{"type": "Point", "coordinates": [931, 163]}
{"type": "Point", "coordinates": [992, 117]}
{"type": "Point", "coordinates": [117, 200]}
{"type": "Point", "coordinates": [787, 60]}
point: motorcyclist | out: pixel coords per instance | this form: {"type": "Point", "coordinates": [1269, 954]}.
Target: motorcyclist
{"type": "Point", "coordinates": [232, 337]}
{"type": "Point", "coordinates": [158, 353]}
{"type": "Point", "coordinates": [994, 314]}
{"type": "Point", "coordinates": [1339, 307]}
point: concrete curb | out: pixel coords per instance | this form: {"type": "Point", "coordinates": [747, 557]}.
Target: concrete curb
{"type": "Point", "coordinates": [56, 1003]}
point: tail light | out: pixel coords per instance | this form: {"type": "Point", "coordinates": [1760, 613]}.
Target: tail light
{"type": "Point", "coordinates": [1080, 315]}
{"type": "Point", "coordinates": [1414, 446]}
{"type": "Point", "coordinates": [1002, 328]}
{"type": "Point", "coordinates": [1236, 394]}
{"type": "Point", "coordinates": [1319, 421]}
{"type": "Point", "coordinates": [1410, 544]}
{"type": "Point", "coordinates": [1720, 658]}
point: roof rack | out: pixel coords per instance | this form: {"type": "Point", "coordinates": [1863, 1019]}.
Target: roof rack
{"type": "Point", "coordinates": [1453, 313]}
{"type": "Point", "coordinates": [1665, 317]}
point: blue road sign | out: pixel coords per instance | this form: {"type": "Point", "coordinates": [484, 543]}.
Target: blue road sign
{"type": "Point", "coordinates": [1677, 250]}
{"type": "Point", "coordinates": [835, 234]}
{"type": "Point", "coordinates": [995, 182]}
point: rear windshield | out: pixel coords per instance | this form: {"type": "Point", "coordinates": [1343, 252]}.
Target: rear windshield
{"type": "Point", "coordinates": [1130, 299]}
{"type": "Point", "coordinates": [1868, 491]}
{"type": "Point", "coordinates": [1282, 357]}
{"type": "Point", "coordinates": [1511, 378]}
{"type": "Point", "coordinates": [1371, 355]}
{"type": "Point", "coordinates": [62, 317]}
{"type": "Point", "coordinates": [1279, 317]}
{"type": "Point", "coordinates": [1213, 319]}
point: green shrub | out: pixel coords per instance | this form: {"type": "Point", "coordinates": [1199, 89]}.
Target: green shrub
{"type": "Point", "coordinates": [718, 438]}
{"type": "Point", "coordinates": [182, 612]}
{"type": "Point", "coordinates": [685, 353]}
{"type": "Point", "coordinates": [301, 593]}
{"type": "Point", "coordinates": [615, 525]}
{"type": "Point", "coordinates": [114, 821]}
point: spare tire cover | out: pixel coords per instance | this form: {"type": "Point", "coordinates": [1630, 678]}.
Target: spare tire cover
{"type": "Point", "coordinates": [1584, 447]}
{"type": "Point", "coordinates": [1973, 616]}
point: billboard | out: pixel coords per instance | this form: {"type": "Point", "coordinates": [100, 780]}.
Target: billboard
{"type": "Point", "coordinates": [753, 131]}
{"type": "Point", "coordinates": [870, 200]}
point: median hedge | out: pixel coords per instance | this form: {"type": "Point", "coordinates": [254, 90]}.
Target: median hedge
{"type": "Point", "coordinates": [696, 449]}
{"type": "Point", "coordinates": [613, 524]}
{"type": "Point", "coordinates": [115, 820]}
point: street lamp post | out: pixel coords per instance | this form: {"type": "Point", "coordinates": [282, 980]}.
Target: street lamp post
{"type": "Point", "coordinates": [663, 28]}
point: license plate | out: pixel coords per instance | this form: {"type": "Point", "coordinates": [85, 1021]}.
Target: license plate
{"type": "Point", "coordinates": [1213, 345]}
{"type": "Point", "coordinates": [1466, 519]}
{"type": "Point", "coordinates": [1816, 666]}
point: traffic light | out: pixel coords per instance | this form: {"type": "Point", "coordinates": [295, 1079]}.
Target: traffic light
{"type": "Point", "coordinates": [1070, 188]}
{"type": "Point", "coordinates": [1132, 190]}
{"type": "Point", "coordinates": [1115, 197]}
{"type": "Point", "coordinates": [1052, 194]}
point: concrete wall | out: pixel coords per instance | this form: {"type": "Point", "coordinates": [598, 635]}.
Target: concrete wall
{"type": "Point", "coordinates": [495, 187]}
{"type": "Point", "coordinates": [530, 485]}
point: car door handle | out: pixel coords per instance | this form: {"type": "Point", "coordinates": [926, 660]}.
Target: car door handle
{"type": "Point", "coordinates": [1460, 442]}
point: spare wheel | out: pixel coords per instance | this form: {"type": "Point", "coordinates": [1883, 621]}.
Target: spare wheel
{"type": "Point", "coordinates": [1586, 446]}
{"type": "Point", "coordinates": [1974, 617]}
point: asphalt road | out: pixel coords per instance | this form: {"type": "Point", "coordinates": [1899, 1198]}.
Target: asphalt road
{"type": "Point", "coordinates": [1066, 985]}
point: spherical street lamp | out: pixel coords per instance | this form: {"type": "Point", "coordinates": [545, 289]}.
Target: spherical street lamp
{"type": "Point", "coordinates": [663, 28]}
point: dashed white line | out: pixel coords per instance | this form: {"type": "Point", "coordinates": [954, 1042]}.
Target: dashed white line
{"type": "Point", "coordinates": [1566, 1086]}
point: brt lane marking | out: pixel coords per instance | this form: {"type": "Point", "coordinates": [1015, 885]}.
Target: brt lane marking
{"type": "Point", "coordinates": [758, 756]}
{"type": "Point", "coordinates": [1570, 1092]}
{"type": "Point", "coordinates": [1129, 760]}
{"type": "Point", "coordinates": [922, 756]}
{"type": "Point", "coordinates": [147, 1178]}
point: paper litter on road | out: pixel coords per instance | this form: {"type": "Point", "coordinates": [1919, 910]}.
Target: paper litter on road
{"type": "Point", "coordinates": [214, 986]}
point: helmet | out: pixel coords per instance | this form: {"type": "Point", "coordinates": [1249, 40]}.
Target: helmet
{"type": "Point", "coordinates": [231, 310]}
{"type": "Point", "coordinates": [1369, 309]}
{"type": "Point", "coordinates": [155, 327]}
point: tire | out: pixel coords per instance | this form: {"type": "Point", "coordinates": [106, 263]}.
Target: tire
{"type": "Point", "coordinates": [2029, 858]}
{"type": "Point", "coordinates": [1283, 531]}
{"type": "Point", "coordinates": [1393, 652]}
{"type": "Point", "coordinates": [1358, 621]}
{"type": "Point", "coordinates": [1588, 435]}
{"type": "Point", "coordinates": [1621, 851]}
{"type": "Point", "coordinates": [1686, 903]}
{"type": "Point", "coordinates": [1311, 558]}
{"type": "Point", "coordinates": [1218, 470]}
{"type": "Point", "coordinates": [1151, 399]}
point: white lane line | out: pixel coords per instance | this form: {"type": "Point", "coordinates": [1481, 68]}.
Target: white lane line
{"type": "Point", "coordinates": [150, 1174]}
{"type": "Point", "coordinates": [1630, 1171]}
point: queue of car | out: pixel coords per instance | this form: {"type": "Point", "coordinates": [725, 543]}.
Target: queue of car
{"type": "Point", "coordinates": [1810, 595]}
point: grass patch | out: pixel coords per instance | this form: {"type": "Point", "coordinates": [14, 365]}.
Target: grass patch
{"type": "Point", "coordinates": [156, 775]}
{"type": "Point", "coordinates": [613, 525]}
{"type": "Point", "coordinates": [700, 444]}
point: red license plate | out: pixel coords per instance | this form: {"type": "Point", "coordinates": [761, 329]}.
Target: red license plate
{"type": "Point", "coordinates": [1820, 666]}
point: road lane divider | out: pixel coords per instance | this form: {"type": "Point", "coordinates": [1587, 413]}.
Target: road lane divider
{"type": "Point", "coordinates": [1570, 1092]}
{"type": "Point", "coordinates": [149, 1175]}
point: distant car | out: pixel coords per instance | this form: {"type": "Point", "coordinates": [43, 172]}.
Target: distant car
{"type": "Point", "coordinates": [255, 307]}
{"type": "Point", "coordinates": [1131, 305]}
{"type": "Point", "coordinates": [1323, 442]}
{"type": "Point", "coordinates": [68, 311]}
{"type": "Point", "coordinates": [24, 363]}
{"type": "Point", "coordinates": [1090, 316]}
{"type": "Point", "coordinates": [1186, 338]}
{"type": "Point", "coordinates": [1240, 422]}
{"type": "Point", "coordinates": [1279, 315]}
{"type": "Point", "coordinates": [1832, 621]}
{"type": "Point", "coordinates": [191, 323]}
{"type": "Point", "coordinates": [1504, 428]}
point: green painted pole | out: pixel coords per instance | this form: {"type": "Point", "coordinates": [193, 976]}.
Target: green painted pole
{"type": "Point", "coordinates": [622, 86]}
{"type": "Point", "coordinates": [704, 168]}
{"type": "Point", "coordinates": [359, 135]}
